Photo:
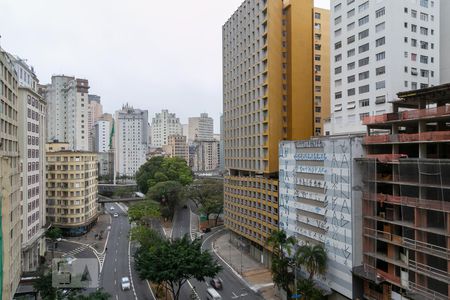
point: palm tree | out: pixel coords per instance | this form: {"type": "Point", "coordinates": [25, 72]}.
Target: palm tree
{"type": "Point", "coordinates": [280, 242]}
{"type": "Point", "coordinates": [313, 258]}
{"type": "Point", "coordinates": [307, 289]}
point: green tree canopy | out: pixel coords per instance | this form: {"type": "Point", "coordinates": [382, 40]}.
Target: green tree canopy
{"type": "Point", "coordinates": [145, 236]}
{"type": "Point", "coordinates": [175, 262]}
{"type": "Point", "coordinates": [160, 169]}
{"type": "Point", "coordinates": [142, 212]}
{"type": "Point", "coordinates": [308, 290]}
{"type": "Point", "coordinates": [206, 194]}
{"type": "Point", "coordinates": [167, 193]}
{"type": "Point", "coordinates": [313, 258]}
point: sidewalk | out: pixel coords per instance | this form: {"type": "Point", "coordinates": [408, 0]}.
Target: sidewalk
{"type": "Point", "coordinates": [101, 229]}
{"type": "Point", "coordinates": [258, 277]}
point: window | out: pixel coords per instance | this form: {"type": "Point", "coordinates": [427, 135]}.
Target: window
{"type": "Point", "coordinates": [337, 32]}
{"type": "Point", "coordinates": [413, 56]}
{"type": "Point", "coordinates": [338, 57]}
{"type": "Point", "coordinates": [423, 45]}
{"type": "Point", "coordinates": [351, 52]}
{"type": "Point", "coordinates": [380, 85]}
{"type": "Point", "coordinates": [351, 79]}
{"type": "Point", "coordinates": [405, 24]}
{"type": "Point", "coordinates": [338, 45]}
{"type": "Point", "coordinates": [350, 2]}
{"type": "Point", "coordinates": [350, 39]}
{"type": "Point", "coordinates": [317, 26]}
{"type": "Point", "coordinates": [364, 89]}
{"type": "Point", "coordinates": [363, 34]}
{"type": "Point", "coordinates": [363, 62]}
{"type": "Point", "coordinates": [363, 6]}
{"type": "Point", "coordinates": [424, 17]}
{"type": "Point", "coordinates": [363, 20]}
{"type": "Point", "coordinates": [338, 95]}
{"type": "Point", "coordinates": [337, 20]}
{"type": "Point", "coordinates": [351, 92]}
{"type": "Point", "coordinates": [424, 30]}
{"type": "Point", "coordinates": [424, 3]}
{"type": "Point", "coordinates": [351, 13]}
{"type": "Point", "coordinates": [414, 85]}
{"type": "Point", "coordinates": [380, 99]}
{"type": "Point", "coordinates": [414, 13]}
{"type": "Point", "coordinates": [363, 48]}
{"type": "Point", "coordinates": [406, 83]}
{"type": "Point", "coordinates": [317, 47]}
{"type": "Point", "coordinates": [364, 103]}
{"type": "Point", "coordinates": [414, 42]}
{"type": "Point", "coordinates": [317, 16]}
{"type": "Point", "coordinates": [380, 42]}
{"type": "Point", "coordinates": [406, 69]}
{"type": "Point", "coordinates": [338, 82]}
{"type": "Point", "coordinates": [380, 70]}
{"type": "Point", "coordinates": [363, 115]}
{"type": "Point", "coordinates": [363, 75]}
{"type": "Point", "coordinates": [424, 73]}
{"type": "Point", "coordinates": [414, 71]}
{"type": "Point", "coordinates": [380, 27]}
{"type": "Point", "coordinates": [338, 70]}
{"type": "Point", "coordinates": [424, 59]}
{"type": "Point", "coordinates": [351, 66]}
{"type": "Point", "coordinates": [381, 56]}
{"type": "Point", "coordinates": [318, 36]}
{"type": "Point", "coordinates": [350, 26]}
{"type": "Point", "coordinates": [337, 7]}
{"type": "Point", "coordinates": [317, 78]}
{"type": "Point", "coordinates": [414, 28]}
{"type": "Point", "coordinates": [405, 10]}
{"type": "Point", "coordinates": [317, 68]}
{"type": "Point", "coordinates": [381, 12]}
{"type": "Point", "coordinates": [317, 57]}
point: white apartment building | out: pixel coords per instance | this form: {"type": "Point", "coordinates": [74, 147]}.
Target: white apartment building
{"type": "Point", "coordinates": [200, 128]}
{"type": "Point", "coordinates": [445, 42]}
{"type": "Point", "coordinates": [206, 156]}
{"type": "Point", "coordinates": [163, 125]}
{"type": "Point", "coordinates": [131, 126]}
{"type": "Point", "coordinates": [102, 131]}
{"type": "Point", "coordinates": [379, 48]}
{"type": "Point", "coordinates": [32, 138]}
{"type": "Point", "coordinates": [68, 109]}
{"type": "Point", "coordinates": [94, 114]}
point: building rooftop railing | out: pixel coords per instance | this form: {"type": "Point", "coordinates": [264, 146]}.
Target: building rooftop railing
{"type": "Point", "coordinates": [409, 115]}
{"type": "Point", "coordinates": [430, 136]}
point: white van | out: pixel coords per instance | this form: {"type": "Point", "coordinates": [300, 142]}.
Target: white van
{"type": "Point", "coordinates": [212, 294]}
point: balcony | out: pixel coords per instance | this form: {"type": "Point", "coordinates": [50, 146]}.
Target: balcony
{"type": "Point", "coordinates": [416, 114]}
{"type": "Point", "coordinates": [409, 201]}
{"type": "Point", "coordinates": [424, 137]}
{"type": "Point", "coordinates": [437, 274]}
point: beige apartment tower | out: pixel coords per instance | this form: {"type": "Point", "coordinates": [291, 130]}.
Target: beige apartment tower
{"type": "Point", "coordinates": [177, 147]}
{"type": "Point", "coordinates": [72, 190]}
{"type": "Point", "coordinates": [268, 96]}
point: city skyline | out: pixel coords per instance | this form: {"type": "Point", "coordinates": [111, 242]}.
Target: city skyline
{"type": "Point", "coordinates": [131, 37]}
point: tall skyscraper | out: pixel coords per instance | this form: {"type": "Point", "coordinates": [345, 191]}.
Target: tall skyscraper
{"type": "Point", "coordinates": [131, 135]}
{"type": "Point", "coordinates": [72, 192]}
{"type": "Point", "coordinates": [32, 137]}
{"type": "Point", "coordinates": [163, 125]}
{"type": "Point", "coordinates": [379, 48]}
{"type": "Point", "coordinates": [94, 113]}
{"type": "Point", "coordinates": [68, 109]}
{"type": "Point", "coordinates": [10, 239]}
{"type": "Point", "coordinates": [206, 156]}
{"type": "Point", "coordinates": [268, 96]}
{"type": "Point", "coordinates": [200, 128]}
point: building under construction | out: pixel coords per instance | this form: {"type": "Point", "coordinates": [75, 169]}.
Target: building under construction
{"type": "Point", "coordinates": [406, 198]}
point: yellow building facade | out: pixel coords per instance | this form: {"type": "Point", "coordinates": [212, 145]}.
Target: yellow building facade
{"type": "Point", "coordinates": [268, 96]}
{"type": "Point", "coordinates": [72, 189]}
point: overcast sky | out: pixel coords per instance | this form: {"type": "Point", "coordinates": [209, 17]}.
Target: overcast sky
{"type": "Point", "coordinates": [151, 54]}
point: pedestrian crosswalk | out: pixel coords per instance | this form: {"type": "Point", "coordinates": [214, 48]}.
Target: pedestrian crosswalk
{"type": "Point", "coordinates": [75, 251]}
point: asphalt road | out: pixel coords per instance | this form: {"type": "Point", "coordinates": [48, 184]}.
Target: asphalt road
{"type": "Point", "coordinates": [118, 262]}
{"type": "Point", "coordinates": [233, 287]}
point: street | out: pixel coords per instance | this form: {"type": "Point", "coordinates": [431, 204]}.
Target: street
{"type": "Point", "coordinates": [233, 287]}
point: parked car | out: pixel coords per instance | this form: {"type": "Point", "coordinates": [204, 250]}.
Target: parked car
{"type": "Point", "coordinates": [111, 208]}
{"type": "Point", "coordinates": [125, 283]}
{"type": "Point", "coordinates": [206, 229]}
{"type": "Point", "coordinates": [115, 215]}
{"type": "Point", "coordinates": [216, 283]}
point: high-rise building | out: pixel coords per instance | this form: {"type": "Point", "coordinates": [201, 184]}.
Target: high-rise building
{"type": "Point", "coordinates": [185, 130]}
{"type": "Point", "coordinates": [102, 131]}
{"type": "Point", "coordinates": [177, 147]}
{"type": "Point", "coordinates": [406, 198]}
{"type": "Point", "coordinates": [200, 128]}
{"type": "Point", "coordinates": [163, 125]}
{"type": "Point", "coordinates": [268, 96]}
{"type": "Point", "coordinates": [10, 231]}
{"type": "Point", "coordinates": [320, 203]}
{"type": "Point", "coordinates": [32, 137]}
{"type": "Point", "coordinates": [379, 48]}
{"type": "Point", "coordinates": [321, 69]}
{"type": "Point", "coordinates": [94, 114]}
{"type": "Point", "coordinates": [206, 156]}
{"type": "Point", "coordinates": [72, 191]}
{"type": "Point", "coordinates": [68, 111]}
{"type": "Point", "coordinates": [131, 136]}
{"type": "Point", "coordinates": [221, 147]}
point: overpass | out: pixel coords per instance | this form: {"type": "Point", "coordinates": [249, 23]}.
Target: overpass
{"type": "Point", "coordinates": [109, 188]}
{"type": "Point", "coordinates": [104, 199]}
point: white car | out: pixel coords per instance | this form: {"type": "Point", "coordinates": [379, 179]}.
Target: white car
{"type": "Point", "coordinates": [115, 215]}
{"type": "Point", "coordinates": [111, 208]}
{"type": "Point", "coordinates": [125, 283]}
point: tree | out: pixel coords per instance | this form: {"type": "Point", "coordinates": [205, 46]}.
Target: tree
{"type": "Point", "coordinates": [97, 295]}
{"type": "Point", "coordinates": [167, 193]}
{"type": "Point", "coordinates": [282, 274]}
{"type": "Point", "coordinates": [313, 258]}
{"type": "Point", "coordinates": [145, 236]}
{"type": "Point", "coordinates": [160, 169]}
{"type": "Point", "coordinates": [307, 289]}
{"type": "Point", "coordinates": [143, 212]}
{"type": "Point", "coordinates": [54, 233]}
{"type": "Point", "coordinates": [43, 284]}
{"type": "Point", "coordinates": [174, 262]}
{"type": "Point", "coordinates": [208, 195]}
